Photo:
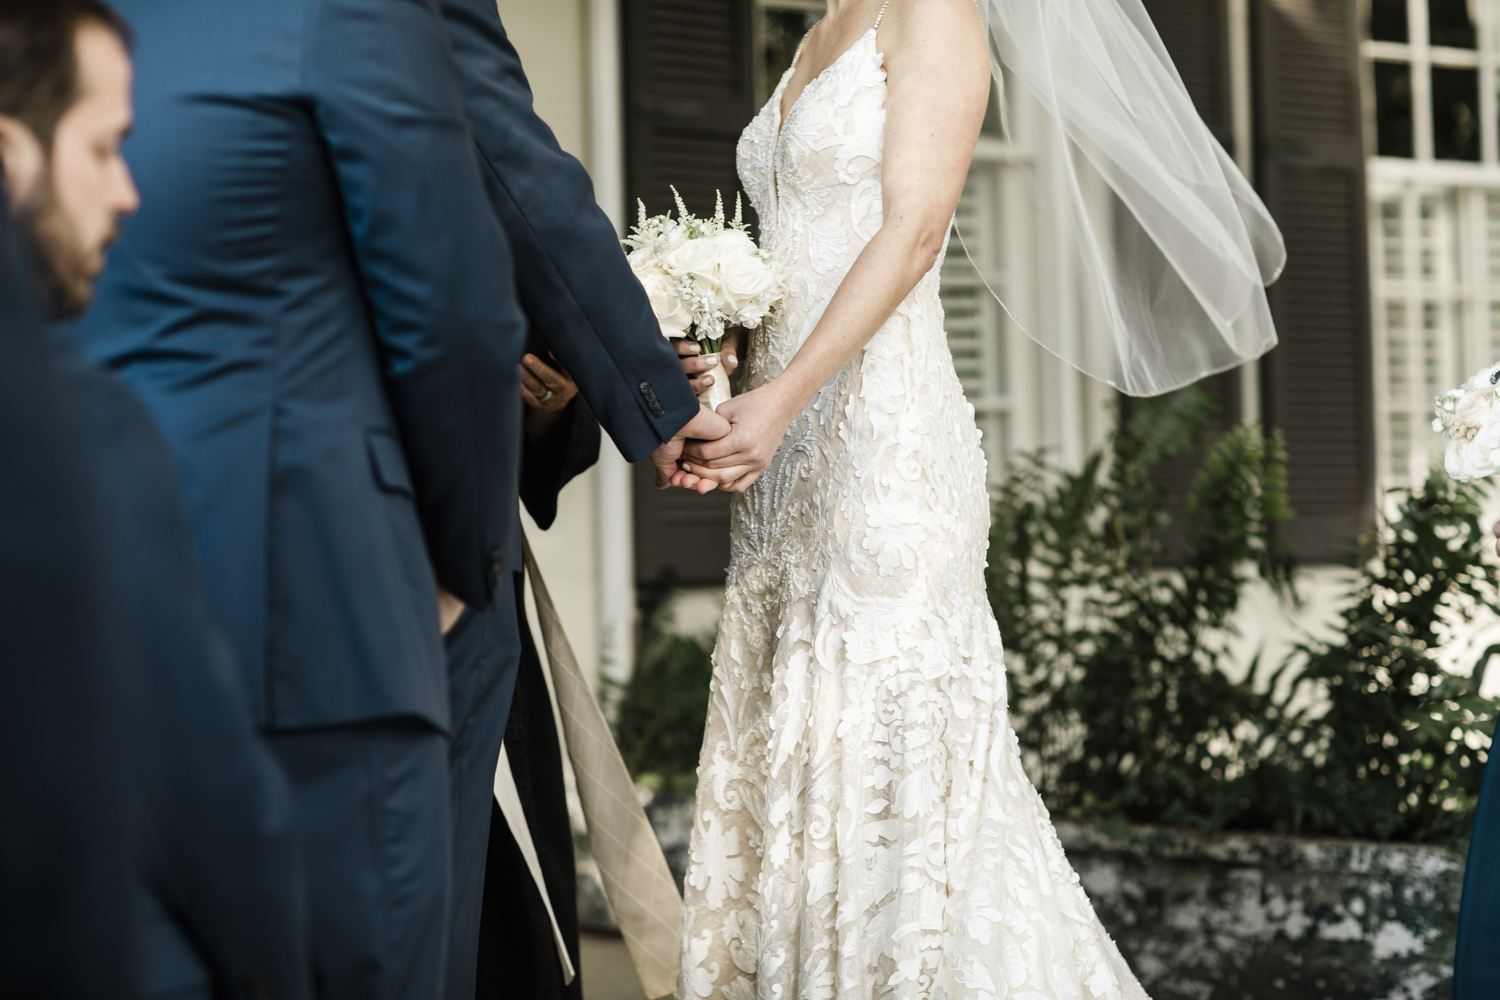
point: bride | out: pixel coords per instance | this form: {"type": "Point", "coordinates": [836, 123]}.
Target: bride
{"type": "Point", "coordinates": [864, 827]}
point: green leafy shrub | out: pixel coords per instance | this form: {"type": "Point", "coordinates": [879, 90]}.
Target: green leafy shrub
{"type": "Point", "coordinates": [664, 706]}
{"type": "Point", "coordinates": [1388, 745]}
{"type": "Point", "coordinates": [1114, 663]}
{"type": "Point", "coordinates": [1117, 663]}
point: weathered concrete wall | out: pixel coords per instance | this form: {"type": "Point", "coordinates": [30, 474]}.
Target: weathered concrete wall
{"type": "Point", "coordinates": [1236, 916]}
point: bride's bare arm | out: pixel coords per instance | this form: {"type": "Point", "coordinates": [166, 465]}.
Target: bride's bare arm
{"type": "Point", "coordinates": [938, 84]}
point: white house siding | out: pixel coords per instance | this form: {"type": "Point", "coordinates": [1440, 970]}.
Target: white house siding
{"type": "Point", "coordinates": [553, 39]}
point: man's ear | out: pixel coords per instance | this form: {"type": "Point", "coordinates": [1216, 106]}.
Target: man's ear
{"type": "Point", "coordinates": [21, 159]}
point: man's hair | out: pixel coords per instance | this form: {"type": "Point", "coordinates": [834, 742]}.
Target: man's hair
{"type": "Point", "coordinates": [39, 78]}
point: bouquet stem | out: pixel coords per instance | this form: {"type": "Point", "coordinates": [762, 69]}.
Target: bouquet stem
{"type": "Point", "coordinates": [720, 391]}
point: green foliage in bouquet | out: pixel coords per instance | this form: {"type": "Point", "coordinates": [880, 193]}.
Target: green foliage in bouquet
{"type": "Point", "coordinates": [664, 706]}
{"type": "Point", "coordinates": [1117, 663]}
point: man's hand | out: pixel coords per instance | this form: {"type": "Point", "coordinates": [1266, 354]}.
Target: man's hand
{"type": "Point", "coordinates": [547, 392]}
{"type": "Point", "coordinates": [706, 426]}
{"type": "Point", "coordinates": [758, 421]}
{"type": "Point", "coordinates": [544, 387]}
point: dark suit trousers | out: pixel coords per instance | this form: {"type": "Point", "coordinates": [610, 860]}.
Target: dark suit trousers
{"type": "Point", "coordinates": [1476, 967]}
{"type": "Point", "coordinates": [372, 801]}
{"type": "Point", "coordinates": [483, 650]}
{"type": "Point", "coordinates": [517, 953]}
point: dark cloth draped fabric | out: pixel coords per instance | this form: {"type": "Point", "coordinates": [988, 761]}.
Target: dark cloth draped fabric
{"type": "Point", "coordinates": [64, 861]}
{"type": "Point", "coordinates": [1476, 966]}
{"type": "Point", "coordinates": [517, 952]}
{"type": "Point", "coordinates": [570, 446]}
{"type": "Point", "coordinates": [517, 955]}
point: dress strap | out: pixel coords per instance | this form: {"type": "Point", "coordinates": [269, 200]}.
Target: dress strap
{"type": "Point", "coordinates": [882, 13]}
{"type": "Point", "coordinates": [797, 56]}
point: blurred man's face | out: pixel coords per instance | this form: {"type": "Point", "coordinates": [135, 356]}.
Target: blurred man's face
{"type": "Point", "coordinates": [70, 200]}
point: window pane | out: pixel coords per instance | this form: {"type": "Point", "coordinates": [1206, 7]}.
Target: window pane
{"type": "Point", "coordinates": [1451, 22]}
{"type": "Point", "coordinates": [1393, 109]}
{"type": "Point", "coordinates": [783, 33]}
{"type": "Point", "coordinates": [1388, 20]}
{"type": "Point", "coordinates": [1455, 113]}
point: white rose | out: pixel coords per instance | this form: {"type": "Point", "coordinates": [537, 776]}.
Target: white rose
{"type": "Point", "coordinates": [745, 287]}
{"type": "Point", "coordinates": [1483, 380]}
{"type": "Point", "coordinates": [733, 242]}
{"type": "Point", "coordinates": [1465, 462]}
{"type": "Point", "coordinates": [699, 258]}
{"type": "Point", "coordinates": [671, 312]}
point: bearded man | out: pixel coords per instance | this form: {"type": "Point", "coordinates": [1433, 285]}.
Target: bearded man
{"type": "Point", "coordinates": [215, 906]}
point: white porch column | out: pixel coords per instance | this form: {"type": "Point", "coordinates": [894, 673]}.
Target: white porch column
{"type": "Point", "coordinates": [612, 504]}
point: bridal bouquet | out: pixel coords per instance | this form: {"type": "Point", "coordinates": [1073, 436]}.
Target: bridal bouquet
{"type": "Point", "coordinates": [1469, 417]}
{"type": "Point", "coordinates": [703, 276]}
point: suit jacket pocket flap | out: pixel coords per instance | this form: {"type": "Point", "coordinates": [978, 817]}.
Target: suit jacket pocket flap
{"type": "Point", "coordinates": [388, 462]}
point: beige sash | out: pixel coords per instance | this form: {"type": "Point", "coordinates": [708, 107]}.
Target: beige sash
{"type": "Point", "coordinates": [636, 879]}
{"type": "Point", "coordinates": [508, 797]}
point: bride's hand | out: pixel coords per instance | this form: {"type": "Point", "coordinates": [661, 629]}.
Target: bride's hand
{"type": "Point", "coordinates": [757, 422]}
{"type": "Point", "coordinates": [702, 372]}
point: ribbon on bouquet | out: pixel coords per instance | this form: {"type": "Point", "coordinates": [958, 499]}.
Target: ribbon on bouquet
{"type": "Point", "coordinates": [634, 871]}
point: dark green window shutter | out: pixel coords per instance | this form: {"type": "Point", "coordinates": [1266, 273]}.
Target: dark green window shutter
{"type": "Point", "coordinates": [1196, 35]}
{"type": "Point", "coordinates": [1316, 384]}
{"type": "Point", "coordinates": [689, 94]}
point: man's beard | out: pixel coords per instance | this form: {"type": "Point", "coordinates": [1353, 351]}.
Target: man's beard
{"type": "Point", "coordinates": [65, 269]}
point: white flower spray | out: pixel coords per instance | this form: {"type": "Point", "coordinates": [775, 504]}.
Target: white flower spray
{"type": "Point", "coordinates": [703, 276]}
{"type": "Point", "coordinates": [1469, 417]}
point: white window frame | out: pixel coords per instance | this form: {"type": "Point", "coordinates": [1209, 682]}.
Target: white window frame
{"type": "Point", "coordinates": [1434, 235]}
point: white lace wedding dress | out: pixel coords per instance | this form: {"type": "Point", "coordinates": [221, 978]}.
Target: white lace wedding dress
{"type": "Point", "coordinates": [864, 827]}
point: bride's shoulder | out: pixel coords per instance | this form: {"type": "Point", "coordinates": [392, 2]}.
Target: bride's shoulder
{"type": "Point", "coordinates": [919, 34]}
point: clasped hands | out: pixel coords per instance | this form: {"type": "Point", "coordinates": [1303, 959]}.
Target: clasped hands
{"type": "Point", "coordinates": [730, 448]}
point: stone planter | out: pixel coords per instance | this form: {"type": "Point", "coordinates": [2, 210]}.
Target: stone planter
{"type": "Point", "coordinates": [1256, 916]}
{"type": "Point", "coordinates": [1237, 916]}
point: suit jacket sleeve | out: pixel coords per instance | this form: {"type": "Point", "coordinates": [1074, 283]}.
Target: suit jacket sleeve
{"type": "Point", "coordinates": [569, 447]}
{"type": "Point", "coordinates": [219, 848]}
{"type": "Point", "coordinates": [572, 276]}
{"type": "Point", "coordinates": [437, 270]}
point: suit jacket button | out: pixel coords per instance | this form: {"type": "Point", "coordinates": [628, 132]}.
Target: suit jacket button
{"type": "Point", "coordinates": [497, 567]}
{"type": "Point", "coordinates": [651, 400]}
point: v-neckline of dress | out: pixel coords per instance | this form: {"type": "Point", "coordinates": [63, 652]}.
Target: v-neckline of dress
{"type": "Point", "coordinates": [782, 119]}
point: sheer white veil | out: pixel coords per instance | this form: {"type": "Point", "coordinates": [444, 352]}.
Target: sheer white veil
{"type": "Point", "coordinates": [1169, 247]}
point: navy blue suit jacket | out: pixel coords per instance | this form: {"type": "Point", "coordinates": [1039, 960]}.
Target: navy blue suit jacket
{"type": "Point", "coordinates": [215, 837]}
{"type": "Point", "coordinates": [1476, 964]}
{"type": "Point", "coordinates": [571, 275]}
{"type": "Point", "coordinates": [317, 305]}
{"type": "Point", "coordinates": [63, 845]}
